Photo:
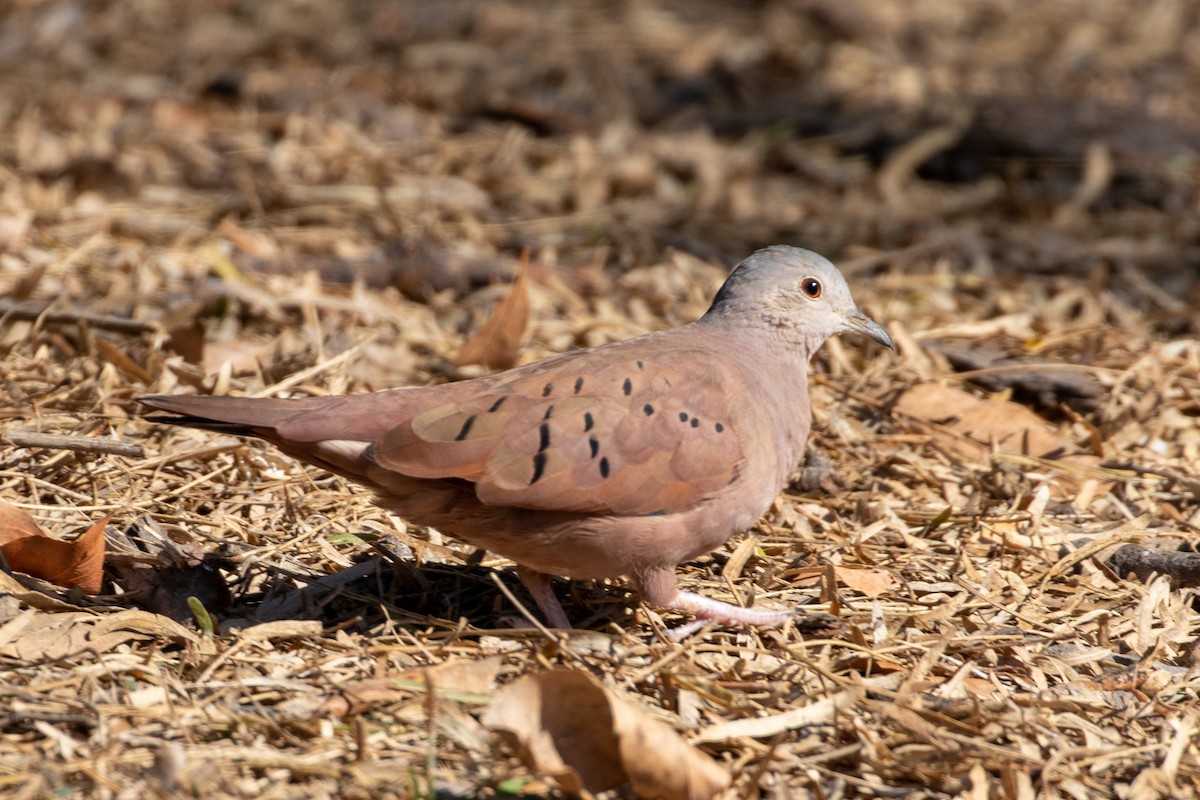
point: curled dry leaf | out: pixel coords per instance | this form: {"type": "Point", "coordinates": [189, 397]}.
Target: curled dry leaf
{"type": "Point", "coordinates": [498, 343]}
{"type": "Point", "coordinates": [26, 591]}
{"type": "Point", "coordinates": [34, 635]}
{"type": "Point", "coordinates": [16, 524]}
{"type": "Point", "coordinates": [28, 549]}
{"type": "Point", "coordinates": [566, 724]}
{"type": "Point", "coordinates": [970, 426]}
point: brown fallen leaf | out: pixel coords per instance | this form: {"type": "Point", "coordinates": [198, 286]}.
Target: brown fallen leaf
{"type": "Point", "coordinates": [867, 581]}
{"type": "Point", "coordinates": [819, 711]}
{"type": "Point", "coordinates": [970, 427]}
{"type": "Point", "coordinates": [870, 582]}
{"type": "Point", "coordinates": [33, 592]}
{"type": "Point", "coordinates": [16, 524]}
{"type": "Point", "coordinates": [565, 724]}
{"type": "Point", "coordinates": [28, 549]}
{"type": "Point", "coordinates": [1013, 428]}
{"type": "Point", "coordinates": [120, 359]}
{"type": "Point", "coordinates": [187, 338]}
{"type": "Point", "coordinates": [461, 675]}
{"type": "Point", "coordinates": [460, 680]}
{"type": "Point", "coordinates": [498, 343]}
{"type": "Point", "coordinates": [282, 629]}
{"type": "Point", "coordinates": [35, 635]}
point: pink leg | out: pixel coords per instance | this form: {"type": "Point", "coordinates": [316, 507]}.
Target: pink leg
{"type": "Point", "coordinates": [538, 585]}
{"type": "Point", "coordinates": [657, 587]}
{"type": "Point", "coordinates": [727, 613]}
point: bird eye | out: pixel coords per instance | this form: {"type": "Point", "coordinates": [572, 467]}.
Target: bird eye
{"type": "Point", "coordinates": [811, 287]}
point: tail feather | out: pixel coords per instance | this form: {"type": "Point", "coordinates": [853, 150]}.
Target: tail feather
{"type": "Point", "coordinates": [239, 416]}
{"type": "Point", "coordinates": [356, 417]}
{"type": "Point", "coordinates": [231, 428]}
{"type": "Point", "coordinates": [262, 418]}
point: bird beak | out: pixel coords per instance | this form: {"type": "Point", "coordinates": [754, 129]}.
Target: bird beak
{"type": "Point", "coordinates": [861, 323]}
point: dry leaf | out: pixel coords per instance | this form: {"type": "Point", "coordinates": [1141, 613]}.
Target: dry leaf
{"type": "Point", "coordinates": [188, 340]}
{"type": "Point", "coordinates": [870, 582]}
{"type": "Point", "coordinates": [282, 629]}
{"type": "Point", "coordinates": [565, 724]}
{"type": "Point", "coordinates": [971, 426]}
{"type": "Point", "coordinates": [498, 343]}
{"type": "Point", "coordinates": [1013, 428]}
{"type": "Point", "coordinates": [16, 524]}
{"type": "Point", "coordinates": [35, 635]}
{"type": "Point", "coordinates": [28, 549]}
{"type": "Point", "coordinates": [21, 590]}
{"type": "Point", "coordinates": [121, 360]}
{"type": "Point", "coordinates": [764, 727]}
{"type": "Point", "coordinates": [461, 675]}
{"type": "Point", "coordinates": [980, 784]}
{"type": "Point", "coordinates": [459, 680]}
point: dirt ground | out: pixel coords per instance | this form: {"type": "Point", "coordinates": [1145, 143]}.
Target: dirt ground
{"type": "Point", "coordinates": [317, 198]}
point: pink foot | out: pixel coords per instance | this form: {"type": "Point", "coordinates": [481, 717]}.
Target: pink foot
{"type": "Point", "coordinates": [705, 608]}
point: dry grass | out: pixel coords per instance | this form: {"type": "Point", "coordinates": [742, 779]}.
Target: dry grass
{"type": "Point", "coordinates": [991, 174]}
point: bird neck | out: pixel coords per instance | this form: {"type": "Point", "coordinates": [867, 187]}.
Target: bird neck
{"type": "Point", "coordinates": [776, 337]}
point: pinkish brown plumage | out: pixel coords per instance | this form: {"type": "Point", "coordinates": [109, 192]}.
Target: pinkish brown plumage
{"type": "Point", "coordinates": [626, 459]}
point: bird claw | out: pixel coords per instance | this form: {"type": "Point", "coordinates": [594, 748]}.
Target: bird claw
{"type": "Point", "coordinates": [681, 632]}
{"type": "Point", "coordinates": [706, 609]}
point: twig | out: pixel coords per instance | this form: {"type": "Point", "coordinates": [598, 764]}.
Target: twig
{"type": "Point", "coordinates": [1004, 369]}
{"type": "Point", "coordinates": [82, 444]}
{"type": "Point", "coordinates": [1183, 568]}
{"type": "Point", "coordinates": [25, 313]}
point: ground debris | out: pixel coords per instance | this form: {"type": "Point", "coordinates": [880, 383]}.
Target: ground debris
{"type": "Point", "coordinates": [317, 198]}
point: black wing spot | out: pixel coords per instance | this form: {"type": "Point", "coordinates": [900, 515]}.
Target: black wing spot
{"type": "Point", "coordinates": [627, 387]}
{"type": "Point", "coordinates": [578, 384]}
{"type": "Point", "coordinates": [719, 427]}
{"type": "Point", "coordinates": [595, 445]}
{"type": "Point", "coordinates": [641, 366]}
{"type": "Point", "coordinates": [465, 431]}
{"type": "Point", "coordinates": [649, 409]}
{"type": "Point", "coordinates": [496, 405]}
{"type": "Point", "coordinates": [549, 411]}
{"type": "Point", "coordinates": [695, 422]}
{"type": "Point", "coordinates": [547, 389]}
{"type": "Point", "coordinates": [588, 421]}
{"type": "Point", "coordinates": [604, 467]}
{"type": "Point", "coordinates": [683, 417]}
{"type": "Point", "coordinates": [539, 466]}
{"type": "Point", "coordinates": [544, 430]}
{"type": "Point", "coordinates": [662, 512]}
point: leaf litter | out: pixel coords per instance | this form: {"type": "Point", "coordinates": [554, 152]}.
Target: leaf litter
{"type": "Point", "coordinates": [334, 198]}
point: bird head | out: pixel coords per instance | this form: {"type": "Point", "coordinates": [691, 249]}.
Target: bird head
{"type": "Point", "coordinates": [795, 290]}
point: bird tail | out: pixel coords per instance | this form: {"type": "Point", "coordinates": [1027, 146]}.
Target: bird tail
{"type": "Point", "coordinates": [239, 416]}
{"type": "Point", "coordinates": [297, 426]}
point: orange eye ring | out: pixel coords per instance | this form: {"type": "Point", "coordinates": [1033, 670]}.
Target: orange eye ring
{"type": "Point", "coordinates": [811, 287]}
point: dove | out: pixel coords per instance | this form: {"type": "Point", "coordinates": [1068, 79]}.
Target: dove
{"type": "Point", "coordinates": [626, 459]}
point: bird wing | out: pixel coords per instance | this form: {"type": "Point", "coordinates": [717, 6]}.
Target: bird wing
{"type": "Point", "coordinates": [623, 434]}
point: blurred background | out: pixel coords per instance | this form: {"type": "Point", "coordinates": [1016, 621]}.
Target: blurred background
{"type": "Point", "coordinates": [423, 145]}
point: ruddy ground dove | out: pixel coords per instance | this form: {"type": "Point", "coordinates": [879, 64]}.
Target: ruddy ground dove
{"type": "Point", "coordinates": [625, 459]}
